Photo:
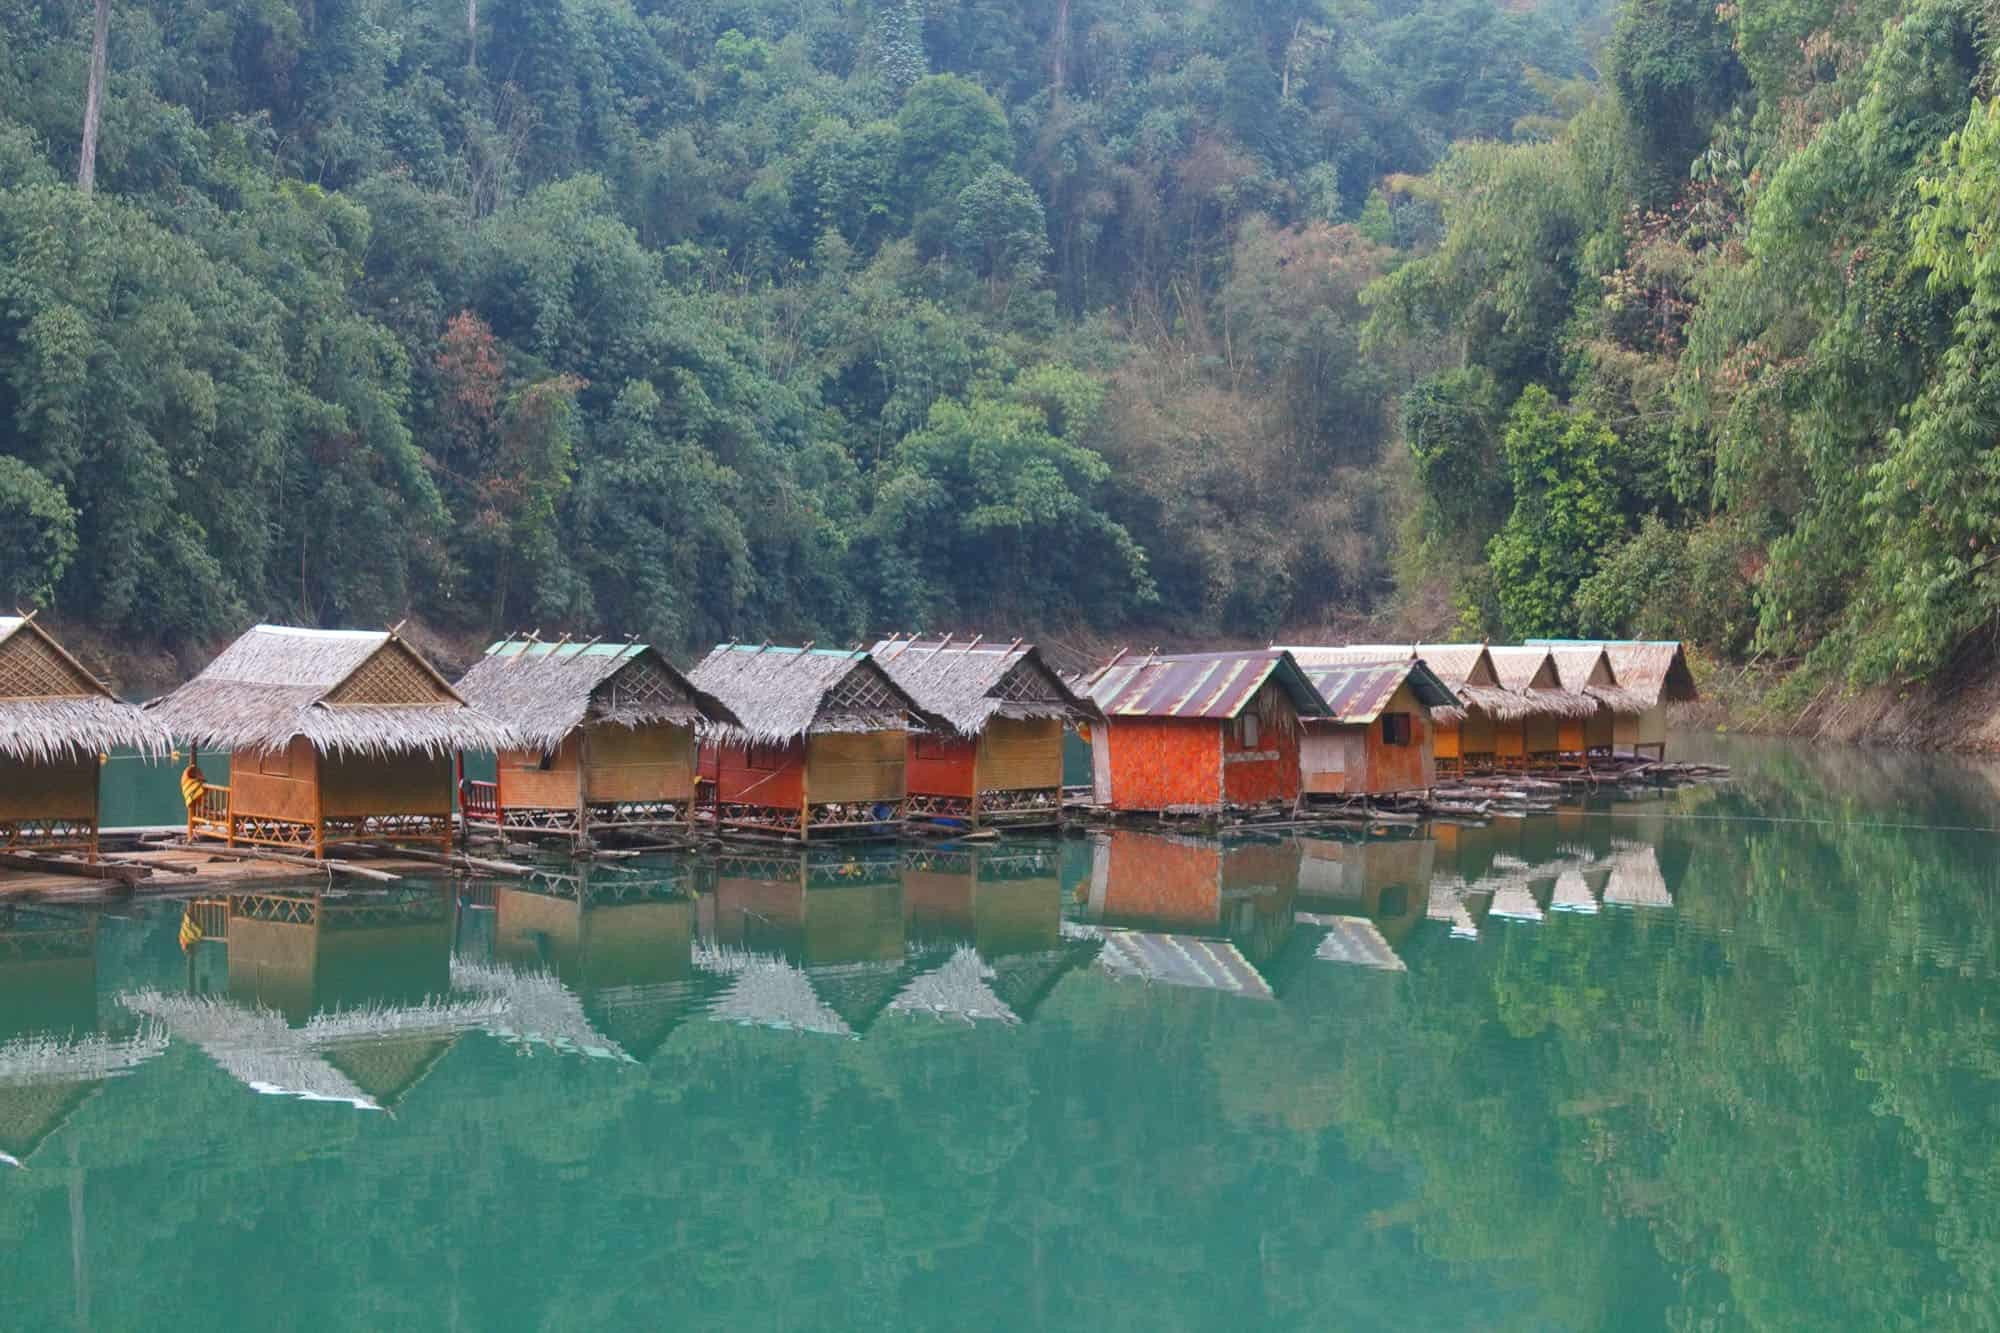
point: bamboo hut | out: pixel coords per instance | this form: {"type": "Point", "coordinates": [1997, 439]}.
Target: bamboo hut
{"type": "Point", "coordinates": [1587, 669]}
{"type": "Point", "coordinates": [1001, 760]}
{"type": "Point", "coordinates": [606, 738]}
{"type": "Point", "coordinates": [334, 735]}
{"type": "Point", "coordinates": [1655, 673]}
{"type": "Point", "coordinates": [820, 745]}
{"type": "Point", "coordinates": [1464, 735]}
{"type": "Point", "coordinates": [1200, 733]}
{"type": "Point", "coordinates": [1538, 738]}
{"type": "Point", "coordinates": [57, 721]}
{"type": "Point", "coordinates": [1379, 739]}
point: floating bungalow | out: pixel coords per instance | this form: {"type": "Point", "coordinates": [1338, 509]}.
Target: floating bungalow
{"type": "Point", "coordinates": [820, 745]}
{"type": "Point", "coordinates": [1001, 759]}
{"type": "Point", "coordinates": [605, 738]}
{"type": "Point", "coordinates": [1465, 734]}
{"type": "Point", "coordinates": [1654, 673]}
{"type": "Point", "coordinates": [1200, 733]}
{"type": "Point", "coordinates": [334, 735]}
{"type": "Point", "coordinates": [1586, 669]}
{"type": "Point", "coordinates": [57, 721]}
{"type": "Point", "coordinates": [1538, 737]}
{"type": "Point", "coordinates": [1378, 740]}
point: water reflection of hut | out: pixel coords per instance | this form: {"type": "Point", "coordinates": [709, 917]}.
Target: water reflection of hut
{"type": "Point", "coordinates": [836, 920]}
{"type": "Point", "coordinates": [1198, 733]}
{"type": "Point", "coordinates": [1386, 880]}
{"type": "Point", "coordinates": [1001, 758]}
{"type": "Point", "coordinates": [1002, 903]}
{"type": "Point", "coordinates": [56, 721]}
{"type": "Point", "coordinates": [821, 745]}
{"type": "Point", "coordinates": [1242, 891]}
{"type": "Point", "coordinates": [624, 944]}
{"type": "Point", "coordinates": [1635, 879]}
{"type": "Point", "coordinates": [334, 735]}
{"type": "Point", "coordinates": [607, 732]}
{"type": "Point", "coordinates": [1654, 673]}
{"type": "Point", "coordinates": [53, 1058]}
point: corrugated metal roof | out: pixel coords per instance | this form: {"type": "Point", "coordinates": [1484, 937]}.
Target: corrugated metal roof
{"type": "Point", "coordinates": [1360, 693]}
{"type": "Point", "coordinates": [1212, 686]}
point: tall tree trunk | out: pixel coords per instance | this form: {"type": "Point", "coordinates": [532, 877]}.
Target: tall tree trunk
{"type": "Point", "coordinates": [93, 99]}
{"type": "Point", "coordinates": [1059, 72]}
{"type": "Point", "coordinates": [472, 34]}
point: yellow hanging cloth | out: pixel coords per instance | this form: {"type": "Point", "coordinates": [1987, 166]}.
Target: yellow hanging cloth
{"type": "Point", "coordinates": [190, 930]}
{"type": "Point", "coordinates": [193, 784]}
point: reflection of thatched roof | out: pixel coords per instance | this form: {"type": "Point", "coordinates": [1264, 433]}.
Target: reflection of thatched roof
{"type": "Point", "coordinates": [543, 691]}
{"type": "Point", "coordinates": [1654, 669]}
{"type": "Point", "coordinates": [781, 694]}
{"type": "Point", "coordinates": [256, 1047]}
{"type": "Point", "coordinates": [1635, 879]}
{"type": "Point", "coordinates": [51, 708]}
{"type": "Point", "coordinates": [766, 991]}
{"type": "Point", "coordinates": [1587, 669]}
{"type": "Point", "coordinates": [43, 1079]}
{"type": "Point", "coordinates": [536, 1009]}
{"type": "Point", "coordinates": [968, 684]}
{"type": "Point", "coordinates": [345, 691]}
{"type": "Point", "coordinates": [961, 988]}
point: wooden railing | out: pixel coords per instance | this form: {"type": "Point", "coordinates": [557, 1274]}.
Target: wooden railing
{"type": "Point", "coordinates": [480, 800]}
{"type": "Point", "coordinates": [212, 812]}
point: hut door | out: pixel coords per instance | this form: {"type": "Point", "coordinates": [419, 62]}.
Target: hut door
{"type": "Point", "coordinates": [1100, 763]}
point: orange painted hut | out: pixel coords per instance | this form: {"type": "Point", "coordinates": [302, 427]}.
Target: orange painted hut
{"type": "Point", "coordinates": [333, 735]}
{"type": "Point", "coordinates": [56, 721]}
{"type": "Point", "coordinates": [1199, 733]}
{"type": "Point", "coordinates": [1655, 673]}
{"type": "Point", "coordinates": [607, 735]}
{"type": "Point", "coordinates": [1464, 734]}
{"type": "Point", "coordinates": [1379, 739]}
{"type": "Point", "coordinates": [1000, 761]}
{"type": "Point", "coordinates": [820, 745]}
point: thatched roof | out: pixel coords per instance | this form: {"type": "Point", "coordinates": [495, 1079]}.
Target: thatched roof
{"type": "Point", "coordinates": [1587, 669]}
{"type": "Point", "coordinates": [971, 683]}
{"type": "Point", "coordinates": [344, 691]}
{"type": "Point", "coordinates": [52, 709]}
{"type": "Point", "coordinates": [1465, 668]}
{"type": "Point", "coordinates": [544, 691]}
{"type": "Point", "coordinates": [1655, 670]}
{"type": "Point", "coordinates": [1531, 673]}
{"type": "Point", "coordinates": [782, 694]}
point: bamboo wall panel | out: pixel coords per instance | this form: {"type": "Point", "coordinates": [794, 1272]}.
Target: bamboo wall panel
{"type": "Point", "coordinates": [650, 763]}
{"type": "Point", "coordinates": [1333, 759]}
{"type": "Point", "coordinates": [404, 784]}
{"type": "Point", "coordinates": [1478, 734]}
{"type": "Point", "coordinates": [524, 783]}
{"type": "Point", "coordinates": [274, 964]}
{"type": "Point", "coordinates": [1269, 769]}
{"type": "Point", "coordinates": [1021, 754]}
{"type": "Point", "coordinates": [1649, 728]}
{"type": "Point", "coordinates": [856, 766]}
{"type": "Point", "coordinates": [1543, 734]}
{"type": "Point", "coordinates": [1163, 763]}
{"type": "Point", "coordinates": [943, 765]}
{"type": "Point", "coordinates": [1600, 730]}
{"type": "Point", "coordinates": [288, 790]}
{"type": "Point", "coordinates": [1445, 740]}
{"type": "Point", "coordinates": [1510, 740]}
{"type": "Point", "coordinates": [63, 790]}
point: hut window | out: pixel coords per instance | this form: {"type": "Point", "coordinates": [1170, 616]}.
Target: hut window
{"type": "Point", "coordinates": [1395, 728]}
{"type": "Point", "coordinates": [547, 761]}
{"type": "Point", "coordinates": [1246, 731]}
{"type": "Point", "coordinates": [930, 747]}
{"type": "Point", "coordinates": [275, 763]}
{"type": "Point", "coordinates": [761, 757]}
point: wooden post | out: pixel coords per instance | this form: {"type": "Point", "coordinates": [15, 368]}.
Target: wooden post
{"type": "Point", "coordinates": [582, 838]}
{"type": "Point", "coordinates": [319, 807]}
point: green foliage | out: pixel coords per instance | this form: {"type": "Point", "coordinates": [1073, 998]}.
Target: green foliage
{"type": "Point", "coordinates": [37, 534]}
{"type": "Point", "coordinates": [1565, 513]}
{"type": "Point", "coordinates": [1669, 583]}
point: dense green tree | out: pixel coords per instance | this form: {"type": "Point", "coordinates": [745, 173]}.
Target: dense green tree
{"type": "Point", "coordinates": [1565, 513]}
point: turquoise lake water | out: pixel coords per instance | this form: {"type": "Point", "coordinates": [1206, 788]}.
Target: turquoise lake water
{"type": "Point", "coordinates": [1725, 1059]}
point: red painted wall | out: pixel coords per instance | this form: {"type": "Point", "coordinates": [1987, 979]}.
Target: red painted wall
{"type": "Point", "coordinates": [728, 767]}
{"type": "Point", "coordinates": [1268, 770]}
{"type": "Point", "coordinates": [1160, 763]}
{"type": "Point", "coordinates": [942, 766]}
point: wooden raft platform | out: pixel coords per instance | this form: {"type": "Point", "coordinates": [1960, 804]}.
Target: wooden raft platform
{"type": "Point", "coordinates": [182, 870]}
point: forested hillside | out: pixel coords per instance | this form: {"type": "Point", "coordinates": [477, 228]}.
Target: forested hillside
{"type": "Point", "coordinates": [811, 319]}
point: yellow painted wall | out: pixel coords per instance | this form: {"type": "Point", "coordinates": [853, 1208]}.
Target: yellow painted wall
{"type": "Point", "coordinates": [855, 766]}
{"type": "Point", "coordinates": [1020, 753]}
